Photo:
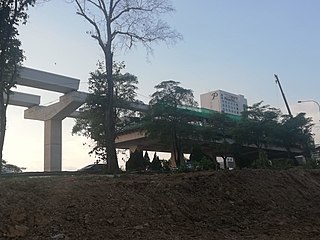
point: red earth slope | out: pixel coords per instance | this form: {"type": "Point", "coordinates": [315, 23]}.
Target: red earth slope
{"type": "Point", "coordinates": [246, 204]}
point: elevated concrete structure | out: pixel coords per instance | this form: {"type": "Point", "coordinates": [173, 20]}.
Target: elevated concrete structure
{"type": "Point", "coordinates": [23, 99]}
{"type": "Point", "coordinates": [137, 139]}
{"type": "Point", "coordinates": [53, 114]}
{"type": "Point", "coordinates": [47, 81]}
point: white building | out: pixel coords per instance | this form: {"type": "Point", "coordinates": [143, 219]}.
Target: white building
{"type": "Point", "coordinates": [222, 101]}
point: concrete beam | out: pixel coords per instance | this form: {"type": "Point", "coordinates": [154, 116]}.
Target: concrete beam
{"type": "Point", "coordinates": [130, 136]}
{"type": "Point", "coordinates": [48, 81]}
{"type": "Point", "coordinates": [140, 106]}
{"type": "Point", "coordinates": [131, 140]}
{"type": "Point", "coordinates": [23, 99]}
{"type": "Point", "coordinates": [67, 104]}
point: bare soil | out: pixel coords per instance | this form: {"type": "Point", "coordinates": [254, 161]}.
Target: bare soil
{"type": "Point", "coordinates": [246, 204]}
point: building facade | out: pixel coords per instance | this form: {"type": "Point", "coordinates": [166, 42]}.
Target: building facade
{"type": "Point", "coordinates": [223, 101]}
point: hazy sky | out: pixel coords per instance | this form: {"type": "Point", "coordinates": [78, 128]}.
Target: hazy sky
{"type": "Point", "coordinates": [234, 46]}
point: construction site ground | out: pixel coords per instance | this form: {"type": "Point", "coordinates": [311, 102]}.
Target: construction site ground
{"type": "Point", "coordinates": [238, 204]}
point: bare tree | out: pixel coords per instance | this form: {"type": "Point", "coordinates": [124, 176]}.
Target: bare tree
{"type": "Point", "coordinates": [119, 25]}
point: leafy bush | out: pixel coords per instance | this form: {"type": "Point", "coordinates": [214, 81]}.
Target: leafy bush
{"type": "Point", "coordinates": [136, 161]}
{"type": "Point", "coordinates": [312, 164]}
{"type": "Point", "coordinates": [155, 164]}
{"type": "Point", "coordinates": [281, 163]}
{"type": "Point", "coordinates": [204, 164]}
{"type": "Point", "coordinates": [165, 165]}
{"type": "Point", "coordinates": [201, 161]}
{"type": "Point", "coordinates": [262, 161]}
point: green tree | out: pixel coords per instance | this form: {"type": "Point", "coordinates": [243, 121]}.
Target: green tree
{"type": "Point", "coordinates": [264, 126]}
{"type": "Point", "coordinates": [12, 14]}
{"type": "Point", "coordinates": [258, 126]}
{"type": "Point", "coordinates": [167, 120]}
{"type": "Point", "coordinates": [91, 121]}
{"type": "Point", "coordinates": [218, 130]}
{"type": "Point", "coordinates": [295, 132]}
{"type": "Point", "coordinates": [120, 25]}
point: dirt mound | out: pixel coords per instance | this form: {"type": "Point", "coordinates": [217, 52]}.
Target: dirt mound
{"type": "Point", "coordinates": [247, 204]}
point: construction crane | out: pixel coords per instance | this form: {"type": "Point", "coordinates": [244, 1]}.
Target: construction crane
{"type": "Point", "coordinates": [283, 96]}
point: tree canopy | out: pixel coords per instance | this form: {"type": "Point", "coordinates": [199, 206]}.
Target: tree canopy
{"type": "Point", "coordinates": [166, 120]}
{"type": "Point", "coordinates": [91, 121]}
{"type": "Point", "coordinates": [257, 125]}
{"type": "Point", "coordinates": [265, 127]}
{"type": "Point", "coordinates": [296, 132]}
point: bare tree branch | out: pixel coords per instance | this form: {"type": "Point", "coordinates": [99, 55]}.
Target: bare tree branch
{"type": "Point", "coordinates": [95, 4]}
{"type": "Point", "coordinates": [114, 6]}
{"type": "Point", "coordinates": [82, 13]}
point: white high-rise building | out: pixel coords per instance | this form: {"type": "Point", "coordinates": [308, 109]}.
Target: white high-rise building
{"type": "Point", "coordinates": [223, 101]}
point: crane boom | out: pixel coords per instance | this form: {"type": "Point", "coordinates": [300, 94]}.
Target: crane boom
{"type": "Point", "coordinates": [283, 96]}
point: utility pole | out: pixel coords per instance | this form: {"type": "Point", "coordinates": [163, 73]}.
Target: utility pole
{"type": "Point", "coordinates": [284, 97]}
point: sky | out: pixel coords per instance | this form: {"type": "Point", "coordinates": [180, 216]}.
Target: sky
{"type": "Point", "coordinates": [236, 46]}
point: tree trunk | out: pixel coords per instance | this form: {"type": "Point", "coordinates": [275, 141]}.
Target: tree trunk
{"type": "Point", "coordinates": [180, 153]}
{"type": "Point", "coordinates": [174, 157]}
{"type": "Point", "coordinates": [3, 122]}
{"type": "Point", "coordinates": [112, 161]}
{"type": "Point", "coordinates": [175, 146]}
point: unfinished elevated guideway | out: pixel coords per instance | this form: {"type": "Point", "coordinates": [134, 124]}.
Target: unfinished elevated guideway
{"type": "Point", "coordinates": [68, 103]}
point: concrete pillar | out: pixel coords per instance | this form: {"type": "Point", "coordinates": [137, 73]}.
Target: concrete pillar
{"type": "Point", "coordinates": [52, 145]}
